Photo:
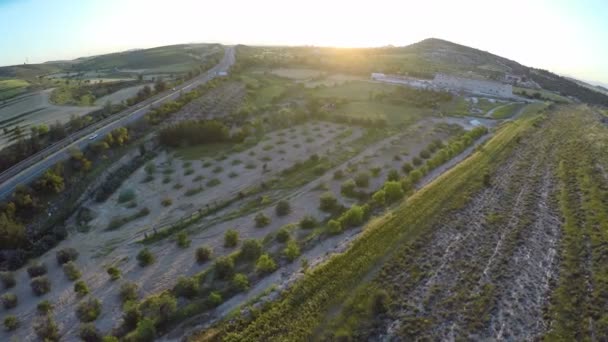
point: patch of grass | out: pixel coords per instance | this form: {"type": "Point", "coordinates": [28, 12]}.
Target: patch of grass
{"type": "Point", "coordinates": [213, 182]}
{"type": "Point", "coordinates": [193, 191]}
{"type": "Point", "coordinates": [120, 221]}
{"type": "Point", "coordinates": [126, 196]}
{"type": "Point", "coordinates": [507, 111]}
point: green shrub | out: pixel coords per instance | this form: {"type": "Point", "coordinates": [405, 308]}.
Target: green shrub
{"type": "Point", "coordinates": [407, 168]}
{"type": "Point", "coordinates": [213, 182]}
{"type": "Point", "coordinates": [40, 285]}
{"type": "Point", "coordinates": [415, 176]}
{"type": "Point", "coordinates": [338, 174]}
{"type": "Point", "coordinates": [203, 254]}
{"type": "Point", "coordinates": [417, 161]}
{"type": "Point", "coordinates": [291, 251]}
{"type": "Point", "coordinates": [44, 307]}
{"type": "Point", "coordinates": [375, 171]}
{"type": "Point", "coordinates": [166, 202]}
{"type": "Point", "coordinates": [188, 172]}
{"type": "Point", "coordinates": [113, 272]}
{"type": "Point", "coordinates": [46, 329]}
{"type": "Point", "coordinates": [159, 308]}
{"type": "Point", "coordinates": [145, 257]}
{"type": "Point", "coordinates": [128, 292]}
{"type": "Point", "coordinates": [8, 279]}
{"type": "Point", "coordinates": [334, 227]}
{"type": "Point", "coordinates": [215, 298]}
{"type": "Point", "coordinates": [36, 269]}
{"type": "Point", "coordinates": [131, 314]}
{"type": "Point", "coordinates": [126, 196]}
{"type": "Point", "coordinates": [283, 208]}
{"type": "Point", "coordinates": [145, 331]}
{"type": "Point", "coordinates": [251, 250]}
{"type": "Point", "coordinates": [231, 238]}
{"type": "Point", "coordinates": [362, 180]}
{"type": "Point", "coordinates": [193, 191]}
{"type": "Point", "coordinates": [224, 267]}
{"type": "Point", "coordinates": [424, 154]}
{"type": "Point", "coordinates": [265, 264]}
{"type": "Point", "coordinates": [110, 338]}
{"type": "Point", "coordinates": [88, 310]}
{"type": "Point", "coordinates": [9, 300]}
{"type": "Point", "coordinates": [348, 188]}
{"type": "Point", "coordinates": [217, 169]}
{"type": "Point", "coordinates": [66, 255]}
{"type": "Point", "coordinates": [240, 282]}
{"type": "Point", "coordinates": [393, 191]}
{"type": "Point", "coordinates": [182, 240]}
{"type": "Point", "coordinates": [379, 198]}
{"type": "Point", "coordinates": [81, 288]}
{"type": "Point", "coordinates": [328, 202]}
{"type": "Point", "coordinates": [233, 174]}
{"type": "Point", "coordinates": [71, 271]}
{"type": "Point", "coordinates": [89, 333]}
{"type": "Point", "coordinates": [283, 235]}
{"type": "Point", "coordinates": [261, 220]}
{"type": "Point", "coordinates": [308, 222]}
{"type": "Point", "coordinates": [393, 175]}
{"type": "Point", "coordinates": [150, 168]}
{"type": "Point", "coordinates": [186, 287]}
{"type": "Point", "coordinates": [352, 217]}
{"type": "Point", "coordinates": [11, 323]}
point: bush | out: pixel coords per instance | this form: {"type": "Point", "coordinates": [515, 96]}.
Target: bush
{"type": "Point", "coordinates": [338, 174]}
{"type": "Point", "coordinates": [182, 240]}
{"type": "Point", "coordinates": [128, 291]}
{"type": "Point", "coordinates": [328, 202]}
{"type": "Point", "coordinates": [145, 257]}
{"type": "Point", "coordinates": [283, 235]}
{"type": "Point", "coordinates": [88, 310]}
{"type": "Point", "coordinates": [186, 287]}
{"type": "Point", "coordinates": [393, 175]}
{"type": "Point", "coordinates": [308, 222]}
{"type": "Point", "coordinates": [203, 254]}
{"type": "Point", "coordinates": [114, 273]}
{"type": "Point", "coordinates": [424, 154]}
{"type": "Point", "coordinates": [415, 176]}
{"type": "Point", "coordinates": [261, 220]}
{"type": "Point", "coordinates": [352, 217]}
{"type": "Point", "coordinates": [265, 264]}
{"type": "Point", "coordinates": [9, 300]}
{"type": "Point", "coordinates": [393, 191]}
{"type": "Point", "coordinates": [224, 267]}
{"type": "Point", "coordinates": [231, 238]}
{"type": "Point", "coordinates": [417, 161]}
{"type": "Point", "coordinates": [131, 314]}
{"type": "Point", "coordinates": [379, 198]}
{"type": "Point", "coordinates": [71, 271]}
{"type": "Point", "coordinates": [166, 202]}
{"type": "Point", "coordinates": [11, 323]}
{"type": "Point", "coordinates": [240, 282]}
{"type": "Point", "coordinates": [36, 270]}
{"type": "Point", "coordinates": [145, 331]}
{"type": "Point", "coordinates": [362, 179]}
{"type": "Point", "coordinates": [348, 188]}
{"type": "Point", "coordinates": [213, 182]}
{"type": "Point", "coordinates": [44, 307]}
{"type": "Point", "coordinates": [407, 168]}
{"type": "Point", "coordinates": [8, 279]}
{"type": "Point", "coordinates": [334, 227]}
{"type": "Point", "coordinates": [40, 285]}
{"type": "Point", "coordinates": [291, 251]}
{"type": "Point", "coordinates": [215, 298]}
{"type": "Point", "coordinates": [89, 333]}
{"type": "Point", "coordinates": [251, 250]}
{"type": "Point", "coordinates": [66, 255]}
{"type": "Point", "coordinates": [46, 329]}
{"type": "Point", "coordinates": [283, 208]}
{"type": "Point", "coordinates": [81, 288]}
{"type": "Point", "coordinates": [126, 195]}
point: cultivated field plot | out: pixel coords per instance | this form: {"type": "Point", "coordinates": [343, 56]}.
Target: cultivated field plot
{"type": "Point", "coordinates": [11, 88]}
{"type": "Point", "coordinates": [217, 103]}
{"type": "Point", "coordinates": [121, 95]}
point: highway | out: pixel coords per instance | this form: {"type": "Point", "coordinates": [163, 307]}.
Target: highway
{"type": "Point", "coordinates": [35, 165]}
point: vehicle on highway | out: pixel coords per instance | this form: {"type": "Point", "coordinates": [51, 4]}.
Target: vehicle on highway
{"type": "Point", "coordinates": [93, 136]}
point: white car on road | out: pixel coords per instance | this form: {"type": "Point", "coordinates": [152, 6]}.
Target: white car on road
{"type": "Point", "coordinates": [93, 136]}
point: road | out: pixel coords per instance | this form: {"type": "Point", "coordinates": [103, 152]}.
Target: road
{"type": "Point", "coordinates": [34, 166]}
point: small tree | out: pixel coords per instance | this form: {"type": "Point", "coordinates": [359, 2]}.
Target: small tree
{"type": "Point", "coordinates": [308, 222]}
{"type": "Point", "coordinates": [128, 291]}
{"type": "Point", "coordinates": [393, 175]}
{"type": "Point", "coordinates": [36, 269]}
{"type": "Point", "coordinates": [71, 271]}
{"type": "Point", "coordinates": [46, 329]}
{"type": "Point", "coordinates": [328, 202]}
{"type": "Point", "coordinates": [417, 161]}
{"type": "Point", "coordinates": [224, 267]}
{"type": "Point", "coordinates": [261, 220]}
{"type": "Point", "coordinates": [291, 251]}
{"type": "Point", "coordinates": [283, 208]}
{"type": "Point", "coordinates": [283, 235]}
{"type": "Point", "coordinates": [182, 240]}
{"type": "Point", "coordinates": [362, 179]}
{"type": "Point", "coordinates": [393, 191]}
{"type": "Point", "coordinates": [265, 264]}
{"type": "Point", "coordinates": [407, 168]}
{"type": "Point", "coordinates": [8, 279]}
{"type": "Point", "coordinates": [334, 227]}
{"type": "Point", "coordinates": [379, 198]}
{"type": "Point", "coordinates": [11, 323]}
{"type": "Point", "coordinates": [231, 238]}
{"type": "Point", "coordinates": [215, 298]}
{"type": "Point", "coordinates": [114, 273]}
{"type": "Point", "coordinates": [66, 255]}
{"type": "Point", "coordinates": [89, 333]}
{"type": "Point", "coordinates": [44, 307]}
{"type": "Point", "coordinates": [203, 254]}
{"type": "Point", "coordinates": [348, 188]}
{"type": "Point", "coordinates": [186, 287]}
{"type": "Point", "coordinates": [81, 288]}
{"type": "Point", "coordinates": [240, 282]}
{"type": "Point", "coordinates": [352, 217]}
{"type": "Point", "coordinates": [88, 310]}
{"type": "Point", "coordinates": [145, 257]}
{"type": "Point", "coordinates": [40, 285]}
{"type": "Point", "coordinates": [251, 250]}
{"type": "Point", "coordinates": [9, 300]}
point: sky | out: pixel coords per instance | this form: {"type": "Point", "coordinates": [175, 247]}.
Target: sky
{"type": "Point", "coordinates": [565, 36]}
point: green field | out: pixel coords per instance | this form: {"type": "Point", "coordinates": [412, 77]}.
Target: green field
{"type": "Point", "coordinates": [507, 111]}
{"type": "Point", "coordinates": [393, 114]}
{"type": "Point", "coordinates": [11, 88]}
{"type": "Point", "coordinates": [355, 90]}
{"type": "Point", "coordinates": [544, 93]}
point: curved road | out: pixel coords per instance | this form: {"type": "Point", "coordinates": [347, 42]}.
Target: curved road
{"type": "Point", "coordinates": [34, 166]}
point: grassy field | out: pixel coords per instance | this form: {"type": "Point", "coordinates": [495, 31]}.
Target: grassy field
{"type": "Point", "coordinates": [393, 114]}
{"type": "Point", "coordinates": [11, 88]}
{"type": "Point", "coordinates": [355, 90]}
{"type": "Point", "coordinates": [507, 111]}
{"type": "Point", "coordinates": [544, 93]}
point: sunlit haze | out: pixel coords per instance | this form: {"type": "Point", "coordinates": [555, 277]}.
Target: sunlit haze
{"type": "Point", "coordinates": [566, 37]}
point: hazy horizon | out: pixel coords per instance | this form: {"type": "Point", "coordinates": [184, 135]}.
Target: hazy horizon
{"type": "Point", "coordinates": [559, 36]}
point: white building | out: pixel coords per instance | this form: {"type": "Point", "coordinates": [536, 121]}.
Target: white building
{"type": "Point", "coordinates": [481, 87]}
